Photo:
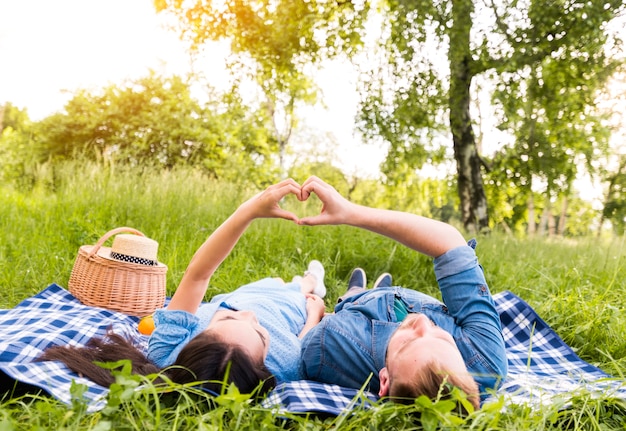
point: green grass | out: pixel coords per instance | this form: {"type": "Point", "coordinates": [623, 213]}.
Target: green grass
{"type": "Point", "coordinates": [577, 287]}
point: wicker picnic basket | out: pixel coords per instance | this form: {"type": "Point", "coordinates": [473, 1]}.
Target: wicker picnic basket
{"type": "Point", "coordinates": [98, 279]}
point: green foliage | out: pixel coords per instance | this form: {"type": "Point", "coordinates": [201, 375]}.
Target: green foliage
{"type": "Point", "coordinates": [509, 209]}
{"type": "Point", "coordinates": [422, 195]}
{"type": "Point", "coordinates": [547, 59]}
{"type": "Point", "coordinates": [154, 121]}
{"type": "Point", "coordinates": [16, 152]}
{"type": "Point", "coordinates": [549, 104]}
{"type": "Point", "coordinates": [615, 204]}
{"type": "Point", "coordinates": [551, 113]}
{"type": "Point", "coordinates": [273, 44]}
{"type": "Point", "coordinates": [283, 35]}
{"type": "Point", "coordinates": [13, 117]}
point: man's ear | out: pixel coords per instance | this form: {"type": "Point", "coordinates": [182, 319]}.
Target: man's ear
{"type": "Point", "coordinates": [383, 375]}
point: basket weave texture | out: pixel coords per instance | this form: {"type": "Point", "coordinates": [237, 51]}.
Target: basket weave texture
{"type": "Point", "coordinates": [131, 288]}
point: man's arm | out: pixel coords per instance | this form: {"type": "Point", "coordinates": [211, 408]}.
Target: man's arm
{"type": "Point", "coordinates": [430, 237]}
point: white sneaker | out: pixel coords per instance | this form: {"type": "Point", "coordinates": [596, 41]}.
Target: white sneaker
{"type": "Point", "coordinates": [317, 270]}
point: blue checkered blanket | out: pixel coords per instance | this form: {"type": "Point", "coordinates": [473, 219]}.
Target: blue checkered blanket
{"type": "Point", "coordinates": [541, 365]}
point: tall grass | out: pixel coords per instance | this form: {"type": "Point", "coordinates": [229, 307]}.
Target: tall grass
{"type": "Point", "coordinates": [577, 287]}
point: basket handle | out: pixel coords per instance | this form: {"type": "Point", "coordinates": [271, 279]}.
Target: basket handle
{"type": "Point", "coordinates": [109, 234]}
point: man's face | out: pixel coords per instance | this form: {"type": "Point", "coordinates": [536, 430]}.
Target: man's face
{"type": "Point", "coordinates": [416, 342]}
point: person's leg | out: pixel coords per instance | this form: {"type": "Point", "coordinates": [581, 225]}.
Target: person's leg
{"type": "Point", "coordinates": [313, 279]}
{"type": "Point", "coordinates": [356, 284]}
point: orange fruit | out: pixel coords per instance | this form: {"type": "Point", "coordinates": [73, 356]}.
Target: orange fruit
{"type": "Point", "coordinates": [146, 325]}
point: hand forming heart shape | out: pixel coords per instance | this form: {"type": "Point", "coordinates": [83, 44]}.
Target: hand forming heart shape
{"type": "Point", "coordinates": [334, 206]}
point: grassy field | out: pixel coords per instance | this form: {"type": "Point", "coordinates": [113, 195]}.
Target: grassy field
{"type": "Point", "coordinates": [576, 286]}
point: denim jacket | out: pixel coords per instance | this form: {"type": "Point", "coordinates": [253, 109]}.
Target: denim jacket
{"type": "Point", "coordinates": [348, 347]}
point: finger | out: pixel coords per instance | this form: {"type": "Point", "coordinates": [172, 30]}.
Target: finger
{"type": "Point", "coordinates": [317, 186]}
{"type": "Point", "coordinates": [304, 193]}
{"type": "Point", "coordinates": [288, 186]}
{"type": "Point", "coordinates": [309, 185]}
{"type": "Point", "coordinates": [298, 193]}
{"type": "Point", "coordinates": [287, 215]}
{"type": "Point", "coordinates": [288, 189]}
{"type": "Point", "coordinates": [313, 220]}
{"type": "Point", "coordinates": [291, 182]}
{"type": "Point", "coordinates": [312, 184]}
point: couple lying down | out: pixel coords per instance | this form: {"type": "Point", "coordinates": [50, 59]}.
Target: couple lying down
{"type": "Point", "coordinates": [402, 342]}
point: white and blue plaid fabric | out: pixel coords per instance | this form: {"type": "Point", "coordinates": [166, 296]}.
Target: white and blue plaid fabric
{"type": "Point", "coordinates": [541, 365]}
{"type": "Point", "coordinates": [55, 317]}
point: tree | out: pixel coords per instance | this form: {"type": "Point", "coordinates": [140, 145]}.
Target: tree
{"type": "Point", "coordinates": [417, 96]}
{"type": "Point", "coordinates": [13, 117]}
{"type": "Point", "coordinates": [16, 153]}
{"type": "Point", "coordinates": [151, 120]}
{"type": "Point", "coordinates": [154, 121]}
{"type": "Point", "coordinates": [613, 167]}
{"type": "Point", "coordinates": [274, 42]}
{"type": "Point", "coordinates": [494, 40]}
{"type": "Point", "coordinates": [550, 109]}
{"type": "Point", "coordinates": [615, 200]}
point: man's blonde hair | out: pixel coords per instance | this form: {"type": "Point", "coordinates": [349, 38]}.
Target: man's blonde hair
{"type": "Point", "coordinates": [433, 382]}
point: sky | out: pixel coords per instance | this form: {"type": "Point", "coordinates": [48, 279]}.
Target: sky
{"type": "Point", "coordinates": [49, 49]}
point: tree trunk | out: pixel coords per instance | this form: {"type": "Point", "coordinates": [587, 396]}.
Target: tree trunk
{"type": "Point", "coordinates": [470, 184]}
{"type": "Point", "coordinates": [545, 216]}
{"type": "Point", "coordinates": [563, 217]}
{"type": "Point", "coordinates": [551, 224]}
{"type": "Point", "coordinates": [609, 192]}
{"type": "Point", "coordinates": [281, 136]}
{"type": "Point", "coordinates": [532, 227]}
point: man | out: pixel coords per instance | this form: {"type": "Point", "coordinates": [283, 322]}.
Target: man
{"type": "Point", "coordinates": [407, 342]}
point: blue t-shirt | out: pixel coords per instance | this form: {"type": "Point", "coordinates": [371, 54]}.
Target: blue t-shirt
{"type": "Point", "coordinates": [280, 308]}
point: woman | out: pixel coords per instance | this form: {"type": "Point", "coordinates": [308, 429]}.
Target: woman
{"type": "Point", "coordinates": [250, 337]}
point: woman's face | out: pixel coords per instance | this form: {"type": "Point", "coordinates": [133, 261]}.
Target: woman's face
{"type": "Point", "coordinates": [241, 328]}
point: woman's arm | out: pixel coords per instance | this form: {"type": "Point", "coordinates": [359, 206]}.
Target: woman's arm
{"type": "Point", "coordinates": [314, 312]}
{"type": "Point", "coordinates": [193, 285]}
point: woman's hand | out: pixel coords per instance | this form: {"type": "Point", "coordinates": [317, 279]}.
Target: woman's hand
{"type": "Point", "coordinates": [314, 312]}
{"type": "Point", "coordinates": [266, 203]}
{"type": "Point", "coordinates": [315, 307]}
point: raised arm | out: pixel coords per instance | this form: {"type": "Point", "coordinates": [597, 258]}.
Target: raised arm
{"type": "Point", "coordinates": [220, 243]}
{"type": "Point", "coordinates": [427, 236]}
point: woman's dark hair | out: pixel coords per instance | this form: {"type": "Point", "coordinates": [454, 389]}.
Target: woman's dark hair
{"type": "Point", "coordinates": [206, 358]}
{"type": "Point", "coordinates": [209, 359]}
{"type": "Point", "coordinates": [111, 348]}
